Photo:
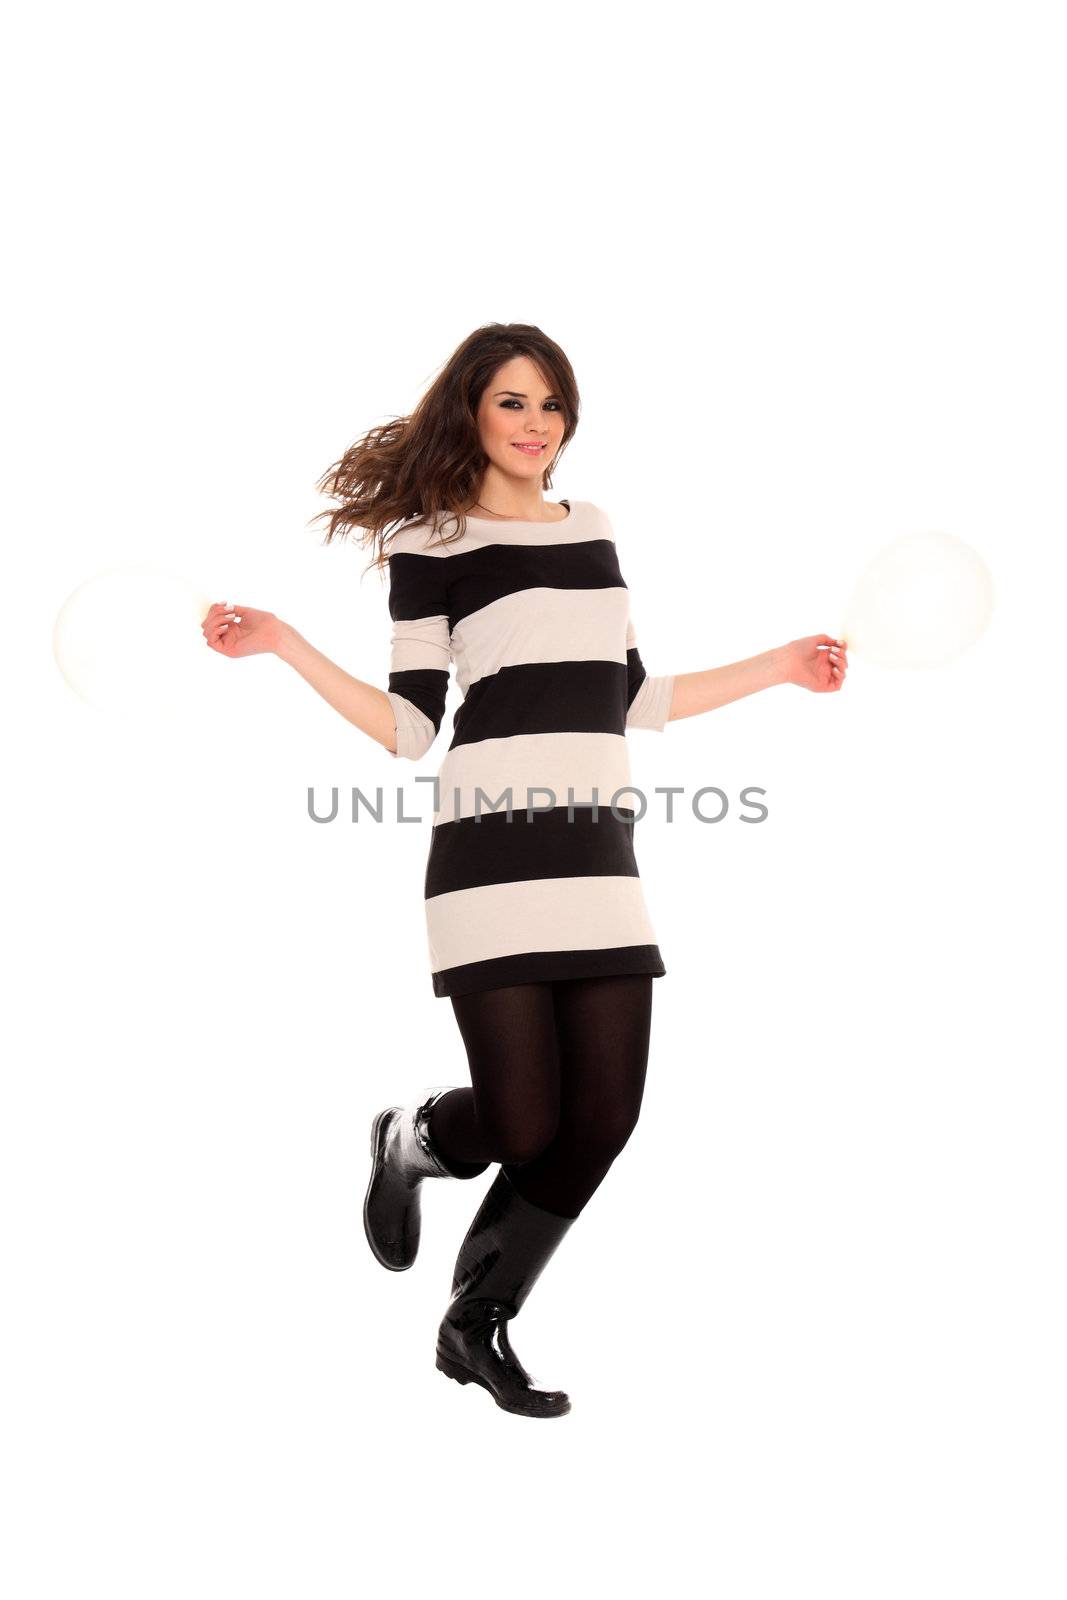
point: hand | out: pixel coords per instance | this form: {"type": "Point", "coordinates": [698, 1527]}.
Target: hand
{"type": "Point", "coordinates": [818, 663]}
{"type": "Point", "coordinates": [240, 631]}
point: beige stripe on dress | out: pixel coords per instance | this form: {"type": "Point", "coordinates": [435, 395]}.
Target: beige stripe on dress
{"type": "Point", "coordinates": [539, 625]}
{"type": "Point", "coordinates": [579, 762]}
{"type": "Point", "coordinates": [507, 919]}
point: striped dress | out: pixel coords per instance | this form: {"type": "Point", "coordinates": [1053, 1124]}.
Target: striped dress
{"type": "Point", "coordinates": [531, 872]}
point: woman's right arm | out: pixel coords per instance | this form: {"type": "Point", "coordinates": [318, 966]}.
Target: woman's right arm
{"type": "Point", "coordinates": [360, 703]}
{"type": "Point", "coordinates": [242, 631]}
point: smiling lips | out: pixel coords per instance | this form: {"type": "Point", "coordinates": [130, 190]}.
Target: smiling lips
{"type": "Point", "coordinates": [529, 449]}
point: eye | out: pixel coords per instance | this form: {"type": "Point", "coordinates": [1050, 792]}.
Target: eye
{"type": "Point", "coordinates": [556, 405]}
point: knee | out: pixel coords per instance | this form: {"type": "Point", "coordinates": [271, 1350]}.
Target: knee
{"type": "Point", "coordinates": [514, 1145]}
{"type": "Point", "coordinates": [610, 1132]}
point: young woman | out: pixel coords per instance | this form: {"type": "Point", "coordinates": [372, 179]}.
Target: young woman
{"type": "Point", "coordinates": [538, 932]}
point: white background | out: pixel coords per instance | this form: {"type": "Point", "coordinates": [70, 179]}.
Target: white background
{"type": "Point", "coordinates": [808, 264]}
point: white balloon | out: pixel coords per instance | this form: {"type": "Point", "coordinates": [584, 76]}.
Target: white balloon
{"type": "Point", "coordinates": [129, 640]}
{"type": "Point", "coordinates": [920, 602]}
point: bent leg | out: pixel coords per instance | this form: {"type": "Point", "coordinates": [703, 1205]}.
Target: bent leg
{"type": "Point", "coordinates": [512, 1109]}
{"type": "Point", "coordinates": [603, 1026]}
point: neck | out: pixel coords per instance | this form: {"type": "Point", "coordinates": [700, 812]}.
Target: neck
{"type": "Point", "coordinates": [501, 496]}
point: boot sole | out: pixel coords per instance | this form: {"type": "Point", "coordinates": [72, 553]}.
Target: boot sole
{"type": "Point", "coordinates": [375, 1133]}
{"type": "Point", "coordinates": [452, 1369]}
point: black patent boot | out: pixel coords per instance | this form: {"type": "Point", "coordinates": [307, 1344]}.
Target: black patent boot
{"type": "Point", "coordinates": [507, 1246]}
{"type": "Point", "coordinates": [402, 1154]}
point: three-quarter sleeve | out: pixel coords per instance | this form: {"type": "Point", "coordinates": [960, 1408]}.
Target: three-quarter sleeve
{"type": "Point", "coordinates": [420, 651]}
{"type": "Point", "coordinates": [648, 699]}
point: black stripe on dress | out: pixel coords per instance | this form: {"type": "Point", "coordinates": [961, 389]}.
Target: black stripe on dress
{"type": "Point", "coordinates": [545, 966]}
{"type": "Point", "coordinates": [474, 582]}
{"type": "Point", "coordinates": [545, 697]}
{"type": "Point", "coordinates": [426, 688]}
{"type": "Point", "coordinates": [635, 673]}
{"type": "Point", "coordinates": [417, 587]}
{"type": "Point", "coordinates": [474, 851]}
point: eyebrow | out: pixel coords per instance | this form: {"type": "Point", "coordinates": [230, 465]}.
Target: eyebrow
{"type": "Point", "coordinates": [520, 396]}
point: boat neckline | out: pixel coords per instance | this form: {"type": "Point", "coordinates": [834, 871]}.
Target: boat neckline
{"type": "Point", "coordinates": [524, 522]}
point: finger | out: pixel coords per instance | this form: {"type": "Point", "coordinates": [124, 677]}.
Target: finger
{"type": "Point", "coordinates": [215, 614]}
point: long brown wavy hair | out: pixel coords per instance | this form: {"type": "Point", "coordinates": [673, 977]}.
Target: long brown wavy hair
{"type": "Point", "coordinates": [430, 464]}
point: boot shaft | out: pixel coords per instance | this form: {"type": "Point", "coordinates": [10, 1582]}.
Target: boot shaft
{"type": "Point", "coordinates": [507, 1247]}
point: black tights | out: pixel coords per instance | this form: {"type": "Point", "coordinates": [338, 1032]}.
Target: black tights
{"type": "Point", "coordinates": [558, 1073]}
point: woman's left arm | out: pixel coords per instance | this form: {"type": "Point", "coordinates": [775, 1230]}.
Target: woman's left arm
{"type": "Point", "coordinates": [818, 663]}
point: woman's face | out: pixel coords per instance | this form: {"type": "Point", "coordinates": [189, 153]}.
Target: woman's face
{"type": "Point", "coordinates": [517, 410]}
